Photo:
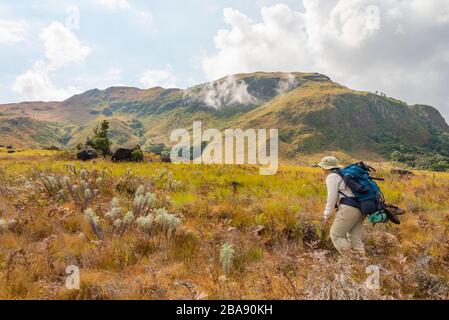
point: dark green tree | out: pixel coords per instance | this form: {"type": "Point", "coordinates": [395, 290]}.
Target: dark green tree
{"type": "Point", "coordinates": [100, 142]}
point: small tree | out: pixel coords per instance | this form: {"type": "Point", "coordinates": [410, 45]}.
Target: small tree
{"type": "Point", "coordinates": [397, 156]}
{"type": "Point", "coordinates": [137, 154]}
{"type": "Point", "coordinates": [100, 141]}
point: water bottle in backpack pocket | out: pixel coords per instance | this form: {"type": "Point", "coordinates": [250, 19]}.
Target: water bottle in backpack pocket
{"type": "Point", "coordinates": [378, 217]}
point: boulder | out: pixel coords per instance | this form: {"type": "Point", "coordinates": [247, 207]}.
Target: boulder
{"type": "Point", "coordinates": [127, 155]}
{"type": "Point", "coordinates": [87, 154]}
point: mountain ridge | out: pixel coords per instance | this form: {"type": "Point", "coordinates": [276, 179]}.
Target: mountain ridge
{"type": "Point", "coordinates": [313, 114]}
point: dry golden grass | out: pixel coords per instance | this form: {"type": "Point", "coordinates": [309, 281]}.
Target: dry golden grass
{"type": "Point", "coordinates": [280, 248]}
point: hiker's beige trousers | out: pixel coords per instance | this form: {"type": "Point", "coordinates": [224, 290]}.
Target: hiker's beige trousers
{"type": "Point", "coordinates": [346, 231]}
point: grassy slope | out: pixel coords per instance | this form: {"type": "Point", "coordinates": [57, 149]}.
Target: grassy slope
{"type": "Point", "coordinates": [318, 116]}
{"type": "Point", "coordinates": [24, 132]}
{"type": "Point", "coordinates": [290, 257]}
{"type": "Point", "coordinates": [326, 116]}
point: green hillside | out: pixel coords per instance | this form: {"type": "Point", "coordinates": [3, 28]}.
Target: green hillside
{"type": "Point", "coordinates": [313, 114]}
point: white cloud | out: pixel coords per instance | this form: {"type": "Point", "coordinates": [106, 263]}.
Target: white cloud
{"type": "Point", "coordinates": [163, 78]}
{"type": "Point", "coordinates": [113, 4]}
{"type": "Point", "coordinates": [35, 84]}
{"type": "Point", "coordinates": [12, 31]}
{"type": "Point", "coordinates": [224, 92]}
{"type": "Point", "coordinates": [62, 47]}
{"type": "Point", "coordinates": [232, 92]}
{"type": "Point", "coordinates": [389, 45]}
{"type": "Point", "coordinates": [276, 43]}
{"type": "Point", "coordinates": [285, 85]}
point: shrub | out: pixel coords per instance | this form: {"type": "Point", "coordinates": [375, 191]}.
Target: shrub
{"type": "Point", "coordinates": [142, 203]}
{"type": "Point", "coordinates": [3, 225]}
{"type": "Point", "coordinates": [128, 219]}
{"type": "Point", "coordinates": [52, 185]}
{"type": "Point", "coordinates": [167, 222]}
{"type": "Point", "coordinates": [114, 213]}
{"type": "Point", "coordinates": [137, 155]}
{"type": "Point", "coordinates": [227, 254]}
{"type": "Point", "coordinates": [94, 222]}
{"type": "Point", "coordinates": [100, 142]}
{"type": "Point", "coordinates": [145, 224]}
{"type": "Point", "coordinates": [440, 166]}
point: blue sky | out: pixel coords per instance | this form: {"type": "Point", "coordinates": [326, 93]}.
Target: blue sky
{"type": "Point", "coordinates": [392, 46]}
{"type": "Point", "coordinates": [124, 40]}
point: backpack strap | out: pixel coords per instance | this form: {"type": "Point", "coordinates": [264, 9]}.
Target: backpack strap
{"type": "Point", "coordinates": [348, 201]}
{"type": "Point", "coordinates": [344, 196]}
{"type": "Point", "coordinates": [352, 202]}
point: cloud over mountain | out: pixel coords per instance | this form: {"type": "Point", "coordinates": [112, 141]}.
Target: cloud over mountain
{"type": "Point", "coordinates": [226, 92]}
{"type": "Point", "coordinates": [394, 46]}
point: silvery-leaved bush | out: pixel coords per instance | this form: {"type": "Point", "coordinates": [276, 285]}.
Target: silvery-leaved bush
{"type": "Point", "coordinates": [150, 199]}
{"type": "Point", "coordinates": [140, 190]}
{"type": "Point", "coordinates": [115, 211]}
{"type": "Point", "coordinates": [94, 222]}
{"type": "Point", "coordinates": [91, 216]}
{"type": "Point", "coordinates": [167, 222]}
{"type": "Point", "coordinates": [143, 202]}
{"type": "Point", "coordinates": [113, 214]}
{"type": "Point", "coordinates": [12, 223]}
{"type": "Point", "coordinates": [227, 254]}
{"type": "Point", "coordinates": [83, 186]}
{"type": "Point", "coordinates": [128, 219]}
{"type": "Point", "coordinates": [51, 184]}
{"type": "Point", "coordinates": [117, 224]}
{"type": "Point", "coordinates": [72, 189]}
{"type": "Point", "coordinates": [28, 185]}
{"type": "Point", "coordinates": [61, 195]}
{"type": "Point", "coordinates": [3, 225]}
{"type": "Point", "coordinates": [66, 181]}
{"type": "Point", "coordinates": [115, 202]}
{"type": "Point", "coordinates": [138, 205]}
{"type": "Point", "coordinates": [87, 196]}
{"type": "Point", "coordinates": [145, 223]}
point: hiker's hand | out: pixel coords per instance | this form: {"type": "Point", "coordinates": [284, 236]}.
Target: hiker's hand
{"type": "Point", "coordinates": [324, 219]}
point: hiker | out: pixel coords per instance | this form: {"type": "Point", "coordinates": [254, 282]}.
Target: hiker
{"type": "Point", "coordinates": [346, 230]}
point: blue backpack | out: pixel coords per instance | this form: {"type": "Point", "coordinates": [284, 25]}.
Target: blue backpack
{"type": "Point", "coordinates": [367, 195]}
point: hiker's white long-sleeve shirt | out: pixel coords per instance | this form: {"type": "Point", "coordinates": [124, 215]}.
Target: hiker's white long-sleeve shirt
{"type": "Point", "coordinates": [335, 185]}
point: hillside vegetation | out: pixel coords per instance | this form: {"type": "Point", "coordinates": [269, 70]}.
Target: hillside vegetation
{"type": "Point", "coordinates": [313, 115]}
{"type": "Point", "coordinates": [164, 231]}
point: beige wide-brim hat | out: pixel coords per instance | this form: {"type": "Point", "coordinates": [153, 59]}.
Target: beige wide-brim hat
{"type": "Point", "coordinates": [329, 163]}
